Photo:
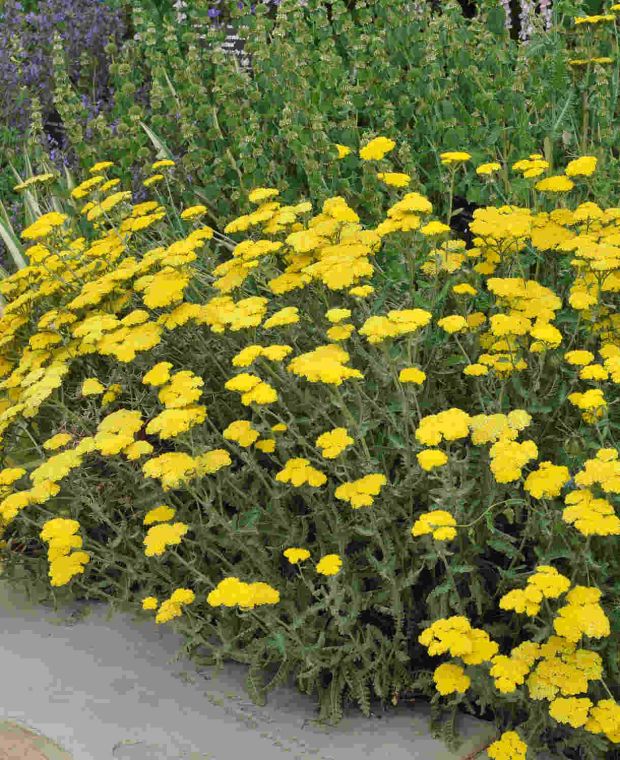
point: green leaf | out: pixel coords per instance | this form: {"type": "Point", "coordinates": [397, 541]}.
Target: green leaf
{"type": "Point", "coordinates": [278, 642]}
{"type": "Point", "coordinates": [12, 243]}
{"type": "Point", "coordinates": [162, 150]}
{"type": "Point", "coordinates": [502, 546]}
{"type": "Point", "coordinates": [496, 20]}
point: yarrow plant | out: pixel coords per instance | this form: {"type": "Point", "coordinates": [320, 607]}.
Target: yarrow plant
{"type": "Point", "coordinates": [244, 433]}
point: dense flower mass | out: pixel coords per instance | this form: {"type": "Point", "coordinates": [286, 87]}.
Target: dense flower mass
{"type": "Point", "coordinates": [183, 407]}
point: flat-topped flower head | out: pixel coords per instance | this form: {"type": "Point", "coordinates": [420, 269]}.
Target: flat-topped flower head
{"type": "Point", "coordinates": [454, 157]}
{"type": "Point", "coordinates": [377, 149]}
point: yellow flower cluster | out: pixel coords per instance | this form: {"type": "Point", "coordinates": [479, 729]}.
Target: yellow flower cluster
{"type": "Point", "coordinates": [163, 535]}
{"type": "Point", "coordinates": [509, 746]}
{"type": "Point", "coordinates": [450, 425]}
{"type": "Point", "coordinates": [329, 564]}
{"type": "Point", "coordinates": [450, 678]}
{"type": "Point", "coordinates": [490, 428]}
{"type": "Point", "coordinates": [439, 523]}
{"type": "Point", "coordinates": [456, 636]}
{"type": "Point", "coordinates": [253, 390]}
{"type": "Point", "coordinates": [249, 354]}
{"type": "Point", "coordinates": [412, 375]}
{"type": "Point", "coordinates": [334, 442]}
{"type": "Point", "coordinates": [60, 535]}
{"type": "Point", "coordinates": [298, 471]}
{"type": "Point", "coordinates": [547, 481]}
{"type": "Point", "coordinates": [431, 458]}
{"type": "Point", "coordinates": [242, 432]}
{"type": "Point", "coordinates": [603, 470]}
{"type": "Point", "coordinates": [35, 180]}
{"type": "Point", "coordinates": [175, 468]}
{"type": "Point", "coordinates": [394, 324]}
{"type": "Point", "coordinates": [325, 364]}
{"type": "Point", "coordinates": [509, 457]}
{"type": "Point", "coordinates": [545, 583]}
{"type": "Point", "coordinates": [295, 555]}
{"type": "Point", "coordinates": [44, 225]}
{"type": "Point", "coordinates": [232, 592]}
{"type": "Point", "coordinates": [591, 516]}
{"type": "Point", "coordinates": [361, 493]}
{"type": "Point", "coordinates": [582, 615]}
{"type": "Point", "coordinates": [563, 670]}
{"type": "Point", "coordinates": [170, 608]}
{"type": "Point", "coordinates": [376, 149]}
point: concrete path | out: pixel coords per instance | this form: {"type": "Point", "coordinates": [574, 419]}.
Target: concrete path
{"type": "Point", "coordinates": [111, 689]}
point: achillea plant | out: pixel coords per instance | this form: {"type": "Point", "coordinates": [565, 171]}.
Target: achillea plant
{"type": "Point", "coordinates": [247, 434]}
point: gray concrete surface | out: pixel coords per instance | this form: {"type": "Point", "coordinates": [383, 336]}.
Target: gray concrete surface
{"type": "Point", "coordinates": [111, 689]}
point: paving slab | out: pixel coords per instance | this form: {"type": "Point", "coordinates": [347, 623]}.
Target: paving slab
{"type": "Point", "coordinates": [101, 687]}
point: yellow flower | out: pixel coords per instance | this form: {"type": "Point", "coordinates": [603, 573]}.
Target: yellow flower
{"type": "Point", "coordinates": [193, 211]}
{"type": "Point", "coordinates": [557, 184]}
{"type": "Point", "coordinates": [158, 375]}
{"type": "Point", "coordinates": [63, 568]}
{"type": "Point", "coordinates": [266, 445]}
{"type": "Point", "coordinates": [260, 194]}
{"type": "Point", "coordinates": [343, 150]}
{"type": "Point", "coordinates": [395, 179]}
{"type": "Point", "coordinates": [340, 332]}
{"type": "Point", "coordinates": [337, 315]}
{"type": "Point", "coordinates": [159, 514]}
{"type": "Point", "coordinates": [597, 19]}
{"type": "Point", "coordinates": [359, 493]}
{"type": "Point", "coordinates": [57, 441]}
{"type": "Point", "coordinates": [289, 315]}
{"type": "Point", "coordinates": [162, 164]}
{"type": "Point", "coordinates": [434, 228]}
{"type": "Point", "coordinates": [464, 289]}
{"type": "Point", "coordinates": [476, 370]}
{"type": "Point", "coordinates": [546, 582]}
{"type": "Point", "coordinates": [451, 678]}
{"type": "Point", "coordinates": [584, 166]}
{"type": "Point", "coordinates": [153, 180]}
{"type": "Point", "coordinates": [486, 169]}
{"type": "Point", "coordinates": [160, 536]}
{"type": "Point", "coordinates": [508, 747]}
{"type": "Point", "coordinates": [454, 157]}
{"type": "Point", "coordinates": [582, 616]}
{"type": "Point", "coordinates": [294, 556]}
{"type": "Point", "coordinates": [137, 449]}
{"type": "Point", "coordinates": [100, 167]}
{"type": "Point", "coordinates": [298, 471]}
{"type": "Point", "coordinates": [376, 149]}
{"type": "Point", "coordinates": [439, 523]}
{"type": "Point", "coordinates": [44, 225]}
{"type": "Point", "coordinates": [453, 324]}
{"type": "Point", "coordinates": [173, 422]}
{"type": "Point", "coordinates": [173, 607]}
{"type": "Point", "coordinates": [334, 442]}
{"type": "Point", "coordinates": [150, 603]}
{"type": "Point", "coordinates": [579, 357]}
{"type": "Point", "coordinates": [456, 636]}
{"type": "Point", "coordinates": [431, 458]}
{"type": "Point", "coordinates": [242, 432]}
{"type": "Point", "coordinates": [546, 482]}
{"type": "Point", "coordinates": [329, 564]}
{"type": "Point", "coordinates": [39, 178]}
{"type": "Point", "coordinates": [412, 375]}
{"type": "Point", "coordinates": [605, 718]}
{"type": "Point", "coordinates": [572, 710]}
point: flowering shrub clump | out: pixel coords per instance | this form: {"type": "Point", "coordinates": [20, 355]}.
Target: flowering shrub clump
{"type": "Point", "coordinates": [302, 464]}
